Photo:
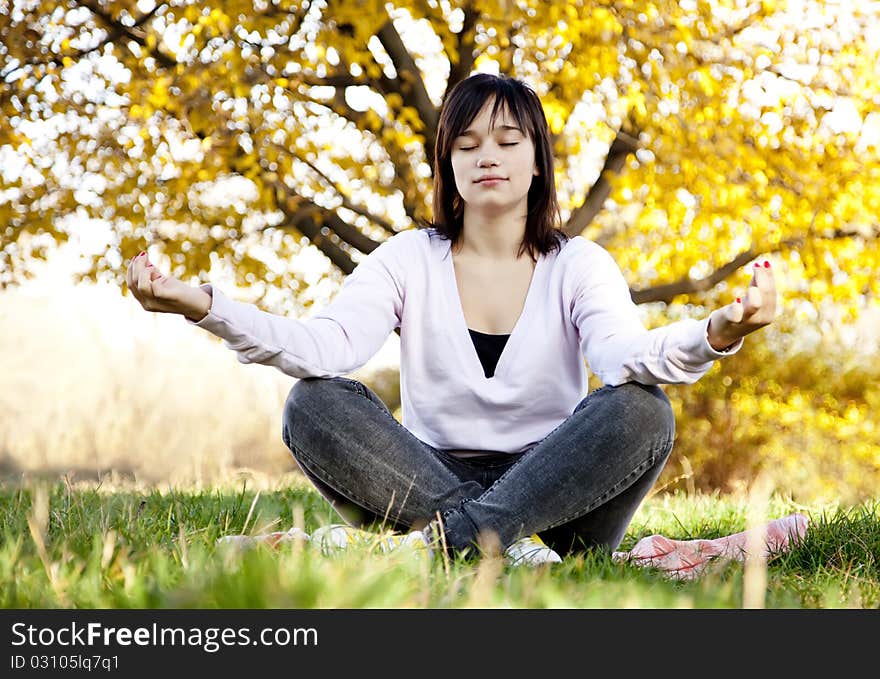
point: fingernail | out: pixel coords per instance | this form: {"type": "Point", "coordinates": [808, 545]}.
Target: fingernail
{"type": "Point", "coordinates": [766, 264]}
{"type": "Point", "coordinates": [142, 252]}
{"type": "Point", "coordinates": [738, 300]}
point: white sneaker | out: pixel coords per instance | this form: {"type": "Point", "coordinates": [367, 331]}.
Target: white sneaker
{"type": "Point", "coordinates": [416, 541]}
{"type": "Point", "coordinates": [273, 540]}
{"type": "Point", "coordinates": [338, 536]}
{"type": "Point", "coordinates": [530, 551]}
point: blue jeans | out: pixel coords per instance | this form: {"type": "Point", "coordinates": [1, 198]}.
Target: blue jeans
{"type": "Point", "coordinates": [578, 488]}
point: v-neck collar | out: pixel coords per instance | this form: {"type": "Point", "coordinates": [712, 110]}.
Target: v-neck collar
{"type": "Point", "coordinates": [458, 324]}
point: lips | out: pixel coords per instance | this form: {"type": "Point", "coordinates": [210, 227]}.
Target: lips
{"type": "Point", "coordinates": [489, 178]}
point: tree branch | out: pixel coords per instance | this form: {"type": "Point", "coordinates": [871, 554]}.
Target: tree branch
{"type": "Point", "coordinates": [465, 44]}
{"type": "Point", "coordinates": [411, 85]}
{"type": "Point", "coordinates": [339, 106]}
{"type": "Point", "coordinates": [346, 203]}
{"type": "Point", "coordinates": [685, 286]}
{"type": "Point", "coordinates": [127, 31]}
{"type": "Point", "coordinates": [621, 147]}
{"type": "Point", "coordinates": [305, 219]}
{"type": "Point", "coordinates": [114, 32]}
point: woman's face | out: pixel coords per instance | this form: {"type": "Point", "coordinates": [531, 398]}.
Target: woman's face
{"type": "Point", "coordinates": [493, 167]}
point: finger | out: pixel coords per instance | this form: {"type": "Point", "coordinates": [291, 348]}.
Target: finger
{"type": "Point", "coordinates": [137, 264]}
{"type": "Point", "coordinates": [146, 264]}
{"type": "Point", "coordinates": [152, 271]}
{"type": "Point", "coordinates": [768, 292]}
{"type": "Point", "coordinates": [132, 275]}
{"type": "Point", "coordinates": [768, 280]}
{"type": "Point", "coordinates": [144, 285]}
{"type": "Point", "coordinates": [735, 311]}
{"type": "Point", "coordinates": [766, 283]}
{"type": "Point", "coordinates": [760, 272]}
{"type": "Point", "coordinates": [754, 300]}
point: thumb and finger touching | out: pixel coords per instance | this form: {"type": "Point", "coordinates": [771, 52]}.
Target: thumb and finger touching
{"type": "Point", "coordinates": [147, 279]}
{"type": "Point", "coordinates": [751, 301]}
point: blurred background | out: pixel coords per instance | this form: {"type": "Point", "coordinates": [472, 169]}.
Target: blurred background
{"type": "Point", "coordinates": [267, 147]}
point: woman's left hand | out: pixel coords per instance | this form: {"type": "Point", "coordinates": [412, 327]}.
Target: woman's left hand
{"type": "Point", "coordinates": [751, 312]}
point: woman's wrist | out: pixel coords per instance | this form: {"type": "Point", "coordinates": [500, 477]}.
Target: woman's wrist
{"type": "Point", "coordinates": [722, 349]}
{"type": "Point", "coordinates": [721, 345]}
{"type": "Point", "coordinates": [200, 305]}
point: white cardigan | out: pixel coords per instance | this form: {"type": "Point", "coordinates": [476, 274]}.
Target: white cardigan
{"type": "Point", "coordinates": [578, 306]}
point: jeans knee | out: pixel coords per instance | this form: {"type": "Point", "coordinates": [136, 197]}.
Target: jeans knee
{"type": "Point", "coordinates": [657, 408]}
{"type": "Point", "coordinates": [649, 407]}
{"type": "Point", "coordinates": [307, 395]}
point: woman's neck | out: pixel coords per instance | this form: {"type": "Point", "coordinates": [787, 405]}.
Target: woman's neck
{"type": "Point", "coordinates": [496, 236]}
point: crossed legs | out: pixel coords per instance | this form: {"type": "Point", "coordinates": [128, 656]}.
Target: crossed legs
{"type": "Point", "coordinates": [578, 488]}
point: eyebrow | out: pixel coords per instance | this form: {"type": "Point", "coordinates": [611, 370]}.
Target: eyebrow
{"type": "Point", "coordinates": [503, 128]}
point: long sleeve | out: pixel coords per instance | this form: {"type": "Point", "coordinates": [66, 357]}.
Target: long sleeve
{"type": "Point", "coordinates": [614, 340]}
{"type": "Point", "coordinates": [337, 340]}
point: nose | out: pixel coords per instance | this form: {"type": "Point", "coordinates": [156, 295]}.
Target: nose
{"type": "Point", "coordinates": [486, 162]}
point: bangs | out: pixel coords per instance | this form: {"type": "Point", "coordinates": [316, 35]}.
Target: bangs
{"type": "Point", "coordinates": [508, 100]}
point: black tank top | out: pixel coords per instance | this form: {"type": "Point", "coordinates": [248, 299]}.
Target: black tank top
{"type": "Point", "coordinates": [489, 348]}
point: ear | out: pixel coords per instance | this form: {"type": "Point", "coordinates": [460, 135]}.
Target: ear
{"type": "Point", "coordinates": [536, 172]}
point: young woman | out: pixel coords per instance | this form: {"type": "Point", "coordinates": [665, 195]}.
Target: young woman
{"type": "Point", "coordinates": [497, 311]}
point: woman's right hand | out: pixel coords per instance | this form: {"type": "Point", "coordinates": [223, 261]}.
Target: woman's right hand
{"type": "Point", "coordinates": [165, 294]}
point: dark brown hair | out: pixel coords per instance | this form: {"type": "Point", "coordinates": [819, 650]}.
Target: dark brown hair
{"type": "Point", "coordinates": [461, 105]}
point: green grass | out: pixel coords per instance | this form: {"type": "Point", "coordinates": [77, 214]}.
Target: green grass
{"type": "Point", "coordinates": [66, 546]}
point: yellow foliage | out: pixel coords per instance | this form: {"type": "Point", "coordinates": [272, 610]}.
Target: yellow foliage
{"type": "Point", "coordinates": [753, 137]}
{"type": "Point", "coordinates": [806, 419]}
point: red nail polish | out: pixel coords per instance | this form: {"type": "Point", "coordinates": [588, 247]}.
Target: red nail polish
{"type": "Point", "coordinates": [142, 252]}
{"type": "Point", "coordinates": [738, 300]}
{"type": "Point", "coordinates": [766, 264]}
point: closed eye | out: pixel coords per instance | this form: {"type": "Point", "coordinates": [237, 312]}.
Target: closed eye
{"type": "Point", "coordinates": [471, 148]}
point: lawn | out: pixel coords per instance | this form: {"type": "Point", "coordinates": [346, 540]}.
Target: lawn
{"type": "Point", "coordinates": [117, 545]}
